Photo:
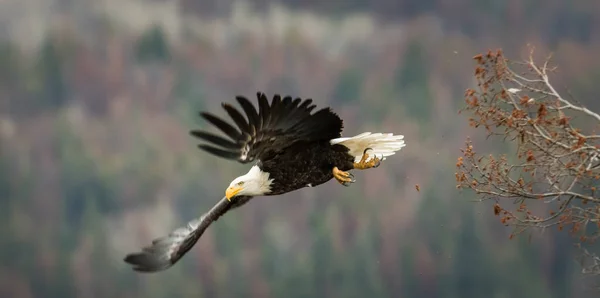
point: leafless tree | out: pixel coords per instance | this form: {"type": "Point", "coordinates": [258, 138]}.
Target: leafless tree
{"type": "Point", "coordinates": [552, 178]}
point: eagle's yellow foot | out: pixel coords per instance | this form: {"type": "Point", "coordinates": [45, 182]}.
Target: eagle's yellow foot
{"type": "Point", "coordinates": [363, 164]}
{"type": "Point", "coordinates": [342, 177]}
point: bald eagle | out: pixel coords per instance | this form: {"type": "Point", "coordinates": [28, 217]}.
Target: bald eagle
{"type": "Point", "coordinates": [291, 148]}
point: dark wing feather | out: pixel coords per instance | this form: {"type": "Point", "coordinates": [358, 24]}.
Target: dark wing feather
{"type": "Point", "coordinates": [249, 109]}
{"type": "Point", "coordinates": [215, 139]}
{"type": "Point", "coordinates": [219, 152]}
{"type": "Point", "coordinates": [237, 117]}
{"type": "Point", "coordinates": [222, 125]}
{"type": "Point", "coordinates": [166, 251]}
{"type": "Point", "coordinates": [268, 128]}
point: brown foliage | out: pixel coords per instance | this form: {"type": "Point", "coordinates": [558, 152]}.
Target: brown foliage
{"type": "Point", "coordinates": [553, 178]}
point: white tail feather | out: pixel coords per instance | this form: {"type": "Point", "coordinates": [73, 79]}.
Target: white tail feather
{"type": "Point", "coordinates": [381, 144]}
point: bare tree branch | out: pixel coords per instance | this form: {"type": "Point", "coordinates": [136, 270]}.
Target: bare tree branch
{"type": "Point", "coordinates": [553, 177]}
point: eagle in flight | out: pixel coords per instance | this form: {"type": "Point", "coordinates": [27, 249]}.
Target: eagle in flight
{"type": "Point", "coordinates": [292, 148]}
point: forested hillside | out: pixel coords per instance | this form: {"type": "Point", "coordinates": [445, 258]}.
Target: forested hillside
{"type": "Point", "coordinates": [97, 99]}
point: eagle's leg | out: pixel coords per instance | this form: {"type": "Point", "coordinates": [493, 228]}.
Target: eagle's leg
{"type": "Point", "coordinates": [342, 177]}
{"type": "Point", "coordinates": [363, 164]}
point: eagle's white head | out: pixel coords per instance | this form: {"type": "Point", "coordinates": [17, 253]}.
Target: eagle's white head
{"type": "Point", "coordinates": [253, 183]}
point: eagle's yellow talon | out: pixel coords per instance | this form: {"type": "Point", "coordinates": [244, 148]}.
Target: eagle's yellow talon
{"type": "Point", "coordinates": [342, 177]}
{"type": "Point", "coordinates": [363, 164]}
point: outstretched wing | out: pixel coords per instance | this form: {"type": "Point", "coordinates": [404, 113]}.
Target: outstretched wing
{"type": "Point", "coordinates": [166, 251]}
{"type": "Point", "coordinates": [270, 129]}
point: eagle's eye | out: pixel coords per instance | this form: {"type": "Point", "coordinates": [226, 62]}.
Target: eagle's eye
{"type": "Point", "coordinates": [240, 183]}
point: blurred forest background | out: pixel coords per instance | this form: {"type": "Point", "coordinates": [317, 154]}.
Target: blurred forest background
{"type": "Point", "coordinates": [97, 98]}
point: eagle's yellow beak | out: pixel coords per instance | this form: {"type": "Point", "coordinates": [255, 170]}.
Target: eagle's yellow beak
{"type": "Point", "coordinates": [232, 191]}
